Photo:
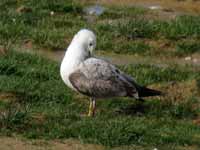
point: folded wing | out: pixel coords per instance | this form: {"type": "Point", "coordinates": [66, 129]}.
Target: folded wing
{"type": "Point", "coordinates": [98, 78]}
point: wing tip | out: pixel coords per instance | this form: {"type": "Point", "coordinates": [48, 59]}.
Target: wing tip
{"type": "Point", "coordinates": [145, 92]}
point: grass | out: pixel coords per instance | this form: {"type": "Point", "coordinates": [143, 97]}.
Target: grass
{"type": "Point", "coordinates": [187, 47]}
{"type": "Point", "coordinates": [32, 20]}
{"type": "Point", "coordinates": [156, 74]}
{"type": "Point", "coordinates": [37, 109]}
{"type": "Point", "coordinates": [180, 28]}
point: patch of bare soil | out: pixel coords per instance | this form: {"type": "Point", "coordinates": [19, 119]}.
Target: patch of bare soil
{"type": "Point", "coordinates": [188, 6]}
{"type": "Point", "coordinates": [160, 9]}
{"type": "Point", "coordinates": [11, 143]}
{"type": "Point", "coordinates": [23, 9]}
{"type": "Point", "coordinates": [7, 97]}
{"type": "Point", "coordinates": [2, 51]}
{"type": "Point", "coordinates": [28, 44]}
{"type": "Point", "coordinates": [188, 148]}
{"type": "Point", "coordinates": [178, 92]}
{"type": "Point", "coordinates": [124, 59]}
{"type": "Point", "coordinates": [197, 121]}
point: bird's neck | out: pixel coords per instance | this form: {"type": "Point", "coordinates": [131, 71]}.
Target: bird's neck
{"type": "Point", "coordinates": [74, 56]}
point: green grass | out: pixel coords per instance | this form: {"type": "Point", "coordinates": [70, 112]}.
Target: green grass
{"type": "Point", "coordinates": [121, 25]}
{"type": "Point", "coordinates": [187, 47]}
{"type": "Point", "coordinates": [37, 24]}
{"type": "Point", "coordinates": [180, 28]}
{"type": "Point", "coordinates": [44, 107]}
{"type": "Point", "coordinates": [119, 12]}
{"type": "Point", "coordinates": [157, 74]}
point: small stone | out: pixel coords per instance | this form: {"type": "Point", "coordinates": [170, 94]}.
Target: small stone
{"type": "Point", "coordinates": [52, 13]}
{"type": "Point", "coordinates": [155, 7]}
{"type": "Point", "coordinates": [188, 58]}
{"type": "Point", "coordinates": [14, 20]}
{"type": "Point", "coordinates": [195, 60]}
{"type": "Point", "coordinates": [96, 10]}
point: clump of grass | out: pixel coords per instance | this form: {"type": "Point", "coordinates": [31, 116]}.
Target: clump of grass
{"type": "Point", "coordinates": [62, 6]}
{"type": "Point", "coordinates": [131, 29]}
{"type": "Point", "coordinates": [181, 110]}
{"type": "Point", "coordinates": [187, 47]}
{"type": "Point", "coordinates": [136, 28]}
{"type": "Point", "coordinates": [13, 117]}
{"type": "Point", "coordinates": [120, 46]}
{"type": "Point", "coordinates": [112, 14]}
{"type": "Point", "coordinates": [132, 48]}
{"type": "Point", "coordinates": [149, 74]}
{"type": "Point", "coordinates": [180, 28]}
{"type": "Point", "coordinates": [122, 12]}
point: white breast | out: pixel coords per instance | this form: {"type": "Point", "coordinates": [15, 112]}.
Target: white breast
{"type": "Point", "coordinates": [74, 56]}
{"type": "Point", "coordinates": [68, 67]}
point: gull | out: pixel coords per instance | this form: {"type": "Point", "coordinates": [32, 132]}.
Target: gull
{"type": "Point", "coordinates": [97, 78]}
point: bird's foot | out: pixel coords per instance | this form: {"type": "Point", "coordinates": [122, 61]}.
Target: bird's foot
{"type": "Point", "coordinates": [86, 115]}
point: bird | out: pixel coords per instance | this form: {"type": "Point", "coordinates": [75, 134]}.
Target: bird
{"type": "Point", "coordinates": [95, 77]}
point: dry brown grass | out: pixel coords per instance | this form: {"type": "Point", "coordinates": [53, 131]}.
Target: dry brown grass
{"type": "Point", "coordinates": [23, 9]}
{"type": "Point", "coordinates": [178, 92]}
{"type": "Point", "coordinates": [7, 97]}
{"type": "Point", "coordinates": [2, 51]}
{"type": "Point", "coordinates": [38, 118]}
{"type": "Point", "coordinates": [10, 143]}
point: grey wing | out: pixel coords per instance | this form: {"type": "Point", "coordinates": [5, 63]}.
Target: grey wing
{"type": "Point", "coordinates": [98, 78]}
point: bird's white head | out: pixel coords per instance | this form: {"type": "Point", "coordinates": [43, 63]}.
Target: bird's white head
{"type": "Point", "coordinates": [79, 50]}
{"type": "Point", "coordinates": [86, 39]}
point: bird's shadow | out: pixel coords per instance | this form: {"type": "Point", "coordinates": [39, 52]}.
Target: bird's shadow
{"type": "Point", "coordinates": [137, 109]}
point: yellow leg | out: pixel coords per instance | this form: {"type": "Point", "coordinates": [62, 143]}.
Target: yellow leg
{"type": "Point", "coordinates": [92, 107]}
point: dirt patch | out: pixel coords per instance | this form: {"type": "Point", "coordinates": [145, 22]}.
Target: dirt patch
{"type": "Point", "coordinates": [2, 51]}
{"type": "Point", "coordinates": [124, 59]}
{"type": "Point", "coordinates": [7, 97]}
{"type": "Point", "coordinates": [38, 118]}
{"type": "Point", "coordinates": [188, 148]}
{"type": "Point", "coordinates": [12, 143]}
{"type": "Point", "coordinates": [197, 121]}
{"type": "Point", "coordinates": [160, 9]}
{"type": "Point", "coordinates": [23, 9]}
{"type": "Point", "coordinates": [178, 92]}
{"type": "Point", "coordinates": [8, 143]}
{"type": "Point", "coordinates": [28, 44]}
{"type": "Point", "coordinates": [189, 6]}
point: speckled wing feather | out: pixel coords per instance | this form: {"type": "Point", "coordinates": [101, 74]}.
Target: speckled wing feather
{"type": "Point", "coordinates": [98, 78]}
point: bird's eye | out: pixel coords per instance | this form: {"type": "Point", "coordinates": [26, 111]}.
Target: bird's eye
{"type": "Point", "coordinates": [90, 44]}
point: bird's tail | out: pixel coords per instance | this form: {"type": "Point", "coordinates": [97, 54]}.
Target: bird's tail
{"type": "Point", "coordinates": [145, 92]}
